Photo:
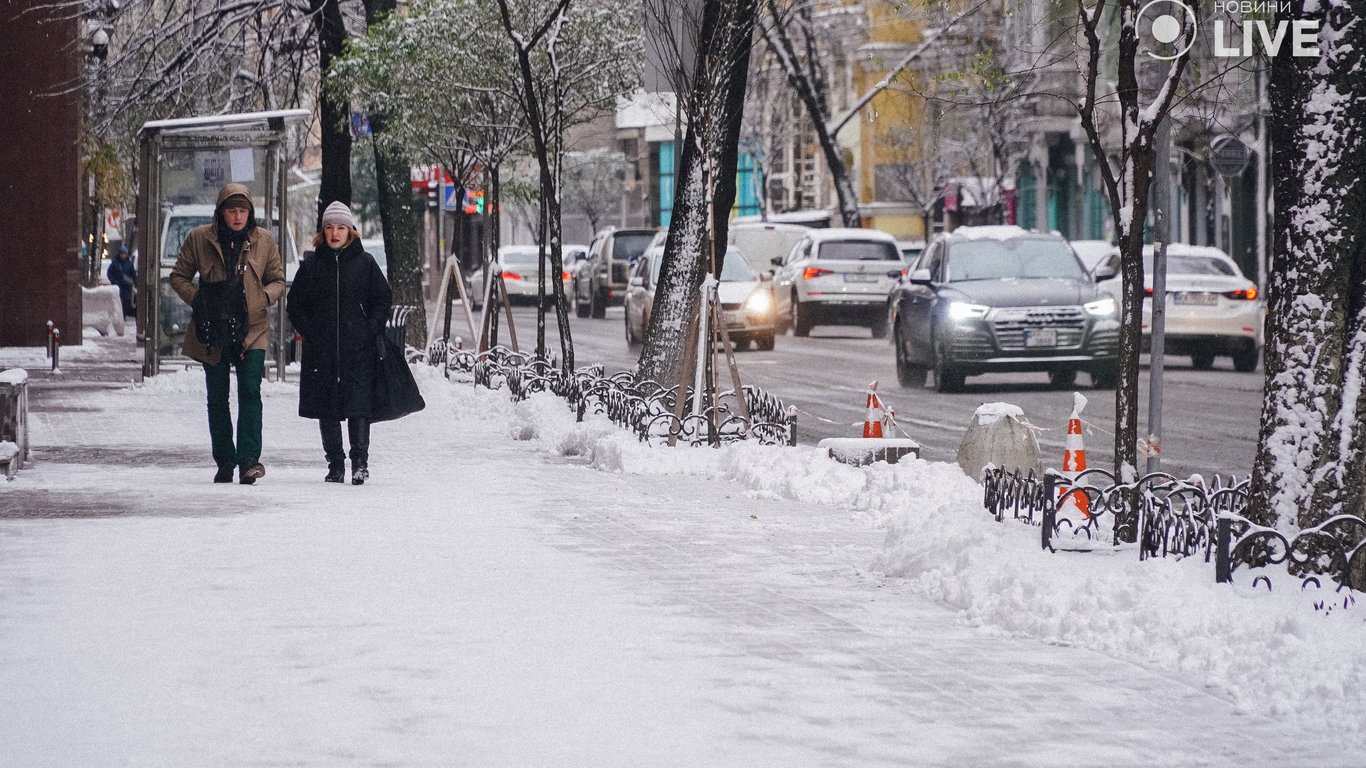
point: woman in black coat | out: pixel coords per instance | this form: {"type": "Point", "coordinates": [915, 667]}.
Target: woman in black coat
{"type": "Point", "coordinates": [339, 303]}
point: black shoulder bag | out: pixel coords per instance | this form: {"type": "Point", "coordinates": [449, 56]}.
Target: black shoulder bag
{"type": "Point", "coordinates": [220, 309]}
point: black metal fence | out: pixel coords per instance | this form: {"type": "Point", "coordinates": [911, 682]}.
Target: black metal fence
{"type": "Point", "coordinates": [1164, 516]}
{"type": "Point", "coordinates": [651, 411]}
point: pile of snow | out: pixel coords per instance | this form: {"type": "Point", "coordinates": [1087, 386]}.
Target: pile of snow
{"type": "Point", "coordinates": [1273, 653]}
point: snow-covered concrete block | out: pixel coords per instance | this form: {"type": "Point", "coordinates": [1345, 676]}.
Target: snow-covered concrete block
{"type": "Point", "coordinates": [14, 418]}
{"type": "Point", "coordinates": [102, 310]}
{"type": "Point", "coordinates": [8, 453]}
{"type": "Point", "coordinates": [860, 451]}
{"type": "Point", "coordinates": [999, 435]}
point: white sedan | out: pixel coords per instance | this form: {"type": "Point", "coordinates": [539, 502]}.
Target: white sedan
{"type": "Point", "coordinates": [521, 274]}
{"type": "Point", "coordinates": [1212, 309]}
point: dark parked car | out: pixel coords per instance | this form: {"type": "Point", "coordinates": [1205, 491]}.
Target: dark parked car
{"type": "Point", "coordinates": [601, 279]}
{"type": "Point", "coordinates": [985, 299]}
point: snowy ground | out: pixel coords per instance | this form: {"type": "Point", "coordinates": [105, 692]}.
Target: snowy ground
{"type": "Point", "coordinates": [513, 588]}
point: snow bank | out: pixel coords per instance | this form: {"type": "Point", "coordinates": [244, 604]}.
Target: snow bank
{"type": "Point", "coordinates": [1273, 653]}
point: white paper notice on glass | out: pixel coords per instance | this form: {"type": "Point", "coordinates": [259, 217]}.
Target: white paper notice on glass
{"type": "Point", "coordinates": [242, 164]}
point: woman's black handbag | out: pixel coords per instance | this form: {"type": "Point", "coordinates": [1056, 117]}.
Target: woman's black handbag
{"type": "Point", "coordinates": [396, 392]}
{"type": "Point", "coordinates": [220, 311]}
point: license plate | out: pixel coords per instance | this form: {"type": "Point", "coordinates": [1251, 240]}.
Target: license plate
{"type": "Point", "coordinates": [857, 277]}
{"type": "Point", "coordinates": [1200, 299]}
{"type": "Point", "coordinates": [1041, 337]}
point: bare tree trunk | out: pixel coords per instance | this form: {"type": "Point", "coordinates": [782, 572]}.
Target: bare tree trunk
{"type": "Point", "coordinates": [541, 137]}
{"type": "Point", "coordinates": [400, 219]}
{"type": "Point", "coordinates": [1311, 453]}
{"type": "Point", "coordinates": [400, 216]}
{"type": "Point", "coordinates": [706, 170]}
{"type": "Point", "coordinates": [1127, 185]}
{"type": "Point", "coordinates": [810, 90]}
{"type": "Point", "coordinates": [333, 115]}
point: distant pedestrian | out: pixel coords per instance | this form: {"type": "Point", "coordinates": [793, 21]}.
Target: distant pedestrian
{"type": "Point", "coordinates": [241, 273]}
{"type": "Point", "coordinates": [339, 303]}
{"type": "Point", "coordinates": [124, 275]}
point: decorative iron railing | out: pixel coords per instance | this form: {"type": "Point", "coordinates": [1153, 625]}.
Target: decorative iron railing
{"type": "Point", "coordinates": [1165, 516]}
{"type": "Point", "coordinates": [648, 409]}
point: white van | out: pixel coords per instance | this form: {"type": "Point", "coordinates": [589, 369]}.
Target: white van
{"type": "Point", "coordinates": [175, 227]}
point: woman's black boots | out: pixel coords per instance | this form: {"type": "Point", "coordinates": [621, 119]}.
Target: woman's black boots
{"type": "Point", "coordinates": [359, 432]}
{"type": "Point", "coordinates": [336, 471]}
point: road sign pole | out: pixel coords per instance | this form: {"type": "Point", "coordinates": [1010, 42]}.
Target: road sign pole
{"type": "Point", "coordinates": [441, 222]}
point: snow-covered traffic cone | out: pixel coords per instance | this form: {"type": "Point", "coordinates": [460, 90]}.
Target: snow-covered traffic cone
{"type": "Point", "coordinates": [872, 420]}
{"type": "Point", "coordinates": [1074, 455]}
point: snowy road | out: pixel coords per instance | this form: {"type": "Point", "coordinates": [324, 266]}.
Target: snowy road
{"type": "Point", "coordinates": [1211, 417]}
{"type": "Point", "coordinates": [482, 603]}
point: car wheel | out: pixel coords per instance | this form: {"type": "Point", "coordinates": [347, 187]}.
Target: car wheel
{"type": "Point", "coordinates": [801, 319]}
{"type": "Point", "coordinates": [1202, 361]}
{"type": "Point", "coordinates": [1106, 378]}
{"type": "Point", "coordinates": [879, 328]}
{"type": "Point", "coordinates": [1245, 359]}
{"type": "Point", "coordinates": [1063, 379]}
{"type": "Point", "coordinates": [580, 307]}
{"type": "Point", "coordinates": [598, 305]}
{"type": "Point", "coordinates": [946, 377]}
{"type": "Point", "coordinates": [765, 341]}
{"type": "Point", "coordinates": [908, 374]}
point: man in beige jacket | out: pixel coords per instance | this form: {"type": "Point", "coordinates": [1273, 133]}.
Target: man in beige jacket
{"type": "Point", "coordinates": [233, 243]}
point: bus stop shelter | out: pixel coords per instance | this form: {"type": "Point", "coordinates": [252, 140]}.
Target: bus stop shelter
{"type": "Point", "coordinates": [183, 163]}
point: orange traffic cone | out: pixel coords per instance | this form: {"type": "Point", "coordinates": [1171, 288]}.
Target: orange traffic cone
{"type": "Point", "coordinates": [872, 420]}
{"type": "Point", "coordinates": [1074, 455]}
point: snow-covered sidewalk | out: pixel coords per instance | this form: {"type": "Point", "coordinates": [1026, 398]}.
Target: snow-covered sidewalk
{"type": "Point", "coordinates": [515, 589]}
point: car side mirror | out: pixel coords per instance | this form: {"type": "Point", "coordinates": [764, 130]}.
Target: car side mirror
{"type": "Point", "coordinates": [1105, 272]}
{"type": "Point", "coordinates": [776, 261]}
{"type": "Point", "coordinates": [920, 277]}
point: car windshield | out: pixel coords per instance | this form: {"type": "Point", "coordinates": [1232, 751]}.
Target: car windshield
{"type": "Point", "coordinates": [1024, 258]}
{"type": "Point", "coordinates": [627, 246]}
{"type": "Point", "coordinates": [735, 269]}
{"type": "Point", "coordinates": [858, 250]}
{"type": "Point", "coordinates": [1191, 265]}
{"type": "Point", "coordinates": [177, 229]}
{"type": "Point", "coordinates": [524, 260]}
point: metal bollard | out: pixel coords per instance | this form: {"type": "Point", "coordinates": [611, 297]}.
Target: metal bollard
{"type": "Point", "coordinates": [48, 349]}
{"type": "Point", "coordinates": [791, 426]}
{"type": "Point", "coordinates": [1223, 558]}
{"type": "Point", "coordinates": [56, 347]}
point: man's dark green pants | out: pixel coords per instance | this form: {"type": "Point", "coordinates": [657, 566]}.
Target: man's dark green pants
{"type": "Point", "coordinates": [251, 367]}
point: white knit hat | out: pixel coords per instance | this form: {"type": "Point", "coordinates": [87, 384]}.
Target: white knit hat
{"type": "Point", "coordinates": [338, 213]}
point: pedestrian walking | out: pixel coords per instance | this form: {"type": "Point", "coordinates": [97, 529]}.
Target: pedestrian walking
{"type": "Point", "coordinates": [339, 303]}
{"type": "Point", "coordinates": [124, 275]}
{"type": "Point", "coordinates": [241, 273]}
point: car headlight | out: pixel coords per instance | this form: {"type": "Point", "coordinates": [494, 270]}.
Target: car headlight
{"type": "Point", "coordinates": [961, 310]}
{"type": "Point", "coordinates": [759, 302]}
{"type": "Point", "coordinates": [1101, 307]}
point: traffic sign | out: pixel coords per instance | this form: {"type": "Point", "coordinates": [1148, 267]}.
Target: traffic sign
{"type": "Point", "coordinates": [449, 200]}
{"type": "Point", "coordinates": [1228, 155]}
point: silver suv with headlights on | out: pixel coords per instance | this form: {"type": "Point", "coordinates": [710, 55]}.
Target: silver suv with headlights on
{"type": "Point", "coordinates": [1001, 298]}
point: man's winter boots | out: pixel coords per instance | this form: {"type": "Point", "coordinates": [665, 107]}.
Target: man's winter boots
{"type": "Point", "coordinates": [359, 474]}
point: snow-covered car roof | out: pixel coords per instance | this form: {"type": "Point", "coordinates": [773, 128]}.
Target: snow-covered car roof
{"type": "Point", "coordinates": [1185, 249]}
{"type": "Point", "coordinates": [849, 233]}
{"type": "Point", "coordinates": [997, 232]}
{"type": "Point", "coordinates": [772, 226]}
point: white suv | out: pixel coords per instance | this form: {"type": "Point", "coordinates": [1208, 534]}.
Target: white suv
{"type": "Point", "coordinates": [838, 277]}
